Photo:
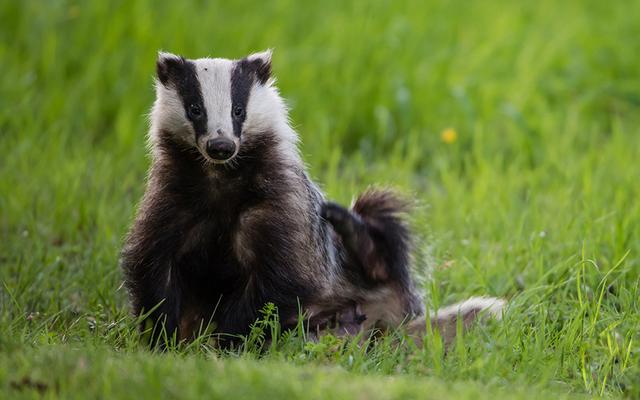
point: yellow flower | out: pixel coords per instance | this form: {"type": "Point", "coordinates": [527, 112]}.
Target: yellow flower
{"type": "Point", "coordinates": [449, 135]}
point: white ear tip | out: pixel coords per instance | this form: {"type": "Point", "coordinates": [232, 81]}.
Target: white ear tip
{"type": "Point", "coordinates": [164, 55]}
{"type": "Point", "coordinates": [264, 55]}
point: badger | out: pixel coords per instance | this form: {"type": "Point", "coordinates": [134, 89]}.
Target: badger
{"type": "Point", "coordinates": [372, 231]}
{"type": "Point", "coordinates": [231, 221]}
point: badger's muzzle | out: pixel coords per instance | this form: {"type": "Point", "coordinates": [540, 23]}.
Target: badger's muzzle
{"type": "Point", "coordinates": [220, 148]}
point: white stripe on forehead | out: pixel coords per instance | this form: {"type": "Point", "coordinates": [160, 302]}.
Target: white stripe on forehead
{"type": "Point", "coordinates": [214, 75]}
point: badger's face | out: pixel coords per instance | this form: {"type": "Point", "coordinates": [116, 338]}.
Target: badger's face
{"type": "Point", "coordinates": [216, 105]}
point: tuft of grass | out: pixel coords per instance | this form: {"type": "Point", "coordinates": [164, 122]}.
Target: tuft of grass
{"type": "Point", "coordinates": [513, 125]}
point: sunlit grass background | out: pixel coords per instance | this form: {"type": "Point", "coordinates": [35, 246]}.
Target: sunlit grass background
{"type": "Point", "coordinates": [513, 124]}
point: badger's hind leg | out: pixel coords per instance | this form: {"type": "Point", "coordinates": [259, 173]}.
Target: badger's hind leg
{"type": "Point", "coordinates": [374, 234]}
{"type": "Point", "coordinates": [357, 240]}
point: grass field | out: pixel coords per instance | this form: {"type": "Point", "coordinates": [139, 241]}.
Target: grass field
{"type": "Point", "coordinates": [515, 126]}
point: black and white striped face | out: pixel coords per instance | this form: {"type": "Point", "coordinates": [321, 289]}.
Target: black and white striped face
{"type": "Point", "coordinates": [216, 104]}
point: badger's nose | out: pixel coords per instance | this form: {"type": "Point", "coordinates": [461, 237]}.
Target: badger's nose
{"type": "Point", "coordinates": [220, 148]}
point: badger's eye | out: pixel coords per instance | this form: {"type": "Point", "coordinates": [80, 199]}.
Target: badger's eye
{"type": "Point", "coordinates": [194, 111]}
{"type": "Point", "coordinates": [238, 111]}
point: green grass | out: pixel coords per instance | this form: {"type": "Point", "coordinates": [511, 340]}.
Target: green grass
{"type": "Point", "coordinates": [536, 200]}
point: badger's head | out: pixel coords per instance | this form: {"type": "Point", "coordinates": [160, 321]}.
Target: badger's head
{"type": "Point", "coordinates": [217, 106]}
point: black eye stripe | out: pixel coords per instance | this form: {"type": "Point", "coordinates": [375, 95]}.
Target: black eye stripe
{"type": "Point", "coordinates": [242, 79]}
{"type": "Point", "coordinates": [185, 79]}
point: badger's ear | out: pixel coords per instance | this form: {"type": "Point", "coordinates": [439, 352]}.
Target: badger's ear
{"type": "Point", "coordinates": [168, 67]}
{"type": "Point", "coordinates": [262, 63]}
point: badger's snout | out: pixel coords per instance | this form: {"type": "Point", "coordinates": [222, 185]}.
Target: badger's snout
{"type": "Point", "coordinates": [220, 149]}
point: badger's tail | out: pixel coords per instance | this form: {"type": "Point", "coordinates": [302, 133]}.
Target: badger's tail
{"type": "Point", "coordinates": [445, 320]}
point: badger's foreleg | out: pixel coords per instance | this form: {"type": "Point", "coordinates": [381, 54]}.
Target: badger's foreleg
{"type": "Point", "coordinates": [156, 297]}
